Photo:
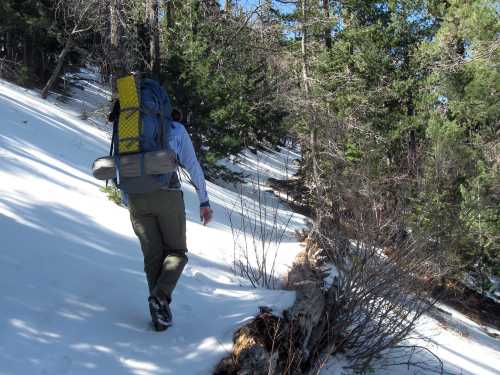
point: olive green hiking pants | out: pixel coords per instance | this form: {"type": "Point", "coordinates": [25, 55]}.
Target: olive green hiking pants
{"type": "Point", "coordinates": [159, 221]}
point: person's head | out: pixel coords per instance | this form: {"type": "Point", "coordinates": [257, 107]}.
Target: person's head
{"type": "Point", "coordinates": [176, 115]}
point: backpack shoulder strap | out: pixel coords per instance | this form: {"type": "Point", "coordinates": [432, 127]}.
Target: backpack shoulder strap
{"type": "Point", "coordinates": [113, 117]}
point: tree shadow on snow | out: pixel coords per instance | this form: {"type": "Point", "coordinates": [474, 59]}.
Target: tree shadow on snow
{"type": "Point", "coordinates": [73, 299]}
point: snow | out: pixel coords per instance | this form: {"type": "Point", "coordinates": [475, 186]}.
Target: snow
{"type": "Point", "coordinates": [73, 294]}
{"type": "Point", "coordinates": [72, 287]}
{"type": "Point", "coordinates": [443, 335]}
{"type": "Point", "coordinates": [463, 346]}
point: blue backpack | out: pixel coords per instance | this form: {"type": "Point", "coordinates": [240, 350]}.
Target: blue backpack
{"type": "Point", "coordinates": [155, 122]}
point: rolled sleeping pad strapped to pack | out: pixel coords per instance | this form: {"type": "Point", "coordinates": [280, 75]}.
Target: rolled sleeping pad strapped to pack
{"type": "Point", "coordinates": [129, 129]}
{"type": "Point", "coordinates": [155, 162]}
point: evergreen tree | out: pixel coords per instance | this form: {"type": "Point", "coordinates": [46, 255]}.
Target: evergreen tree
{"type": "Point", "coordinates": [458, 205]}
{"type": "Point", "coordinates": [405, 106]}
{"type": "Point", "coordinates": [28, 39]}
{"type": "Point", "coordinates": [223, 78]}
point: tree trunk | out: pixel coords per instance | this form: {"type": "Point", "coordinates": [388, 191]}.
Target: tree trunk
{"type": "Point", "coordinates": [58, 68]}
{"type": "Point", "coordinates": [9, 50]}
{"type": "Point", "coordinates": [117, 57]}
{"type": "Point", "coordinates": [412, 143]}
{"type": "Point", "coordinates": [43, 63]}
{"type": "Point", "coordinates": [154, 37]}
{"type": "Point", "coordinates": [313, 136]}
{"type": "Point", "coordinates": [170, 14]}
{"type": "Point", "coordinates": [142, 31]}
{"type": "Point", "coordinates": [27, 50]}
{"type": "Point", "coordinates": [328, 30]}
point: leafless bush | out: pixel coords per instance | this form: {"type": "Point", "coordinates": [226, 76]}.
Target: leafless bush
{"type": "Point", "coordinates": [257, 234]}
{"type": "Point", "coordinates": [376, 302]}
{"type": "Point", "coordinates": [378, 294]}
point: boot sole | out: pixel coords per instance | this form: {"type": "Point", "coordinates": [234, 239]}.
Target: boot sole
{"type": "Point", "coordinates": [158, 326]}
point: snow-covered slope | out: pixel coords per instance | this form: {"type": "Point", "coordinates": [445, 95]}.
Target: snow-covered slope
{"type": "Point", "coordinates": [463, 346]}
{"type": "Point", "coordinates": [447, 342]}
{"type": "Point", "coordinates": [72, 289]}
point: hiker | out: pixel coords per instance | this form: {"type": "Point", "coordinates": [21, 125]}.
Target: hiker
{"type": "Point", "coordinates": [158, 217]}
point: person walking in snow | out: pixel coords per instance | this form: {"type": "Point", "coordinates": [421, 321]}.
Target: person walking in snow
{"type": "Point", "coordinates": [159, 221]}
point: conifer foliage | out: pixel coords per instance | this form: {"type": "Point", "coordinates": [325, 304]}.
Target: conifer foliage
{"type": "Point", "coordinates": [400, 117]}
{"type": "Point", "coordinates": [28, 40]}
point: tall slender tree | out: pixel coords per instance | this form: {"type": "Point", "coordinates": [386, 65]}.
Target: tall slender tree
{"type": "Point", "coordinates": [152, 20]}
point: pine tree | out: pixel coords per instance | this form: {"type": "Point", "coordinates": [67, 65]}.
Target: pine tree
{"type": "Point", "coordinates": [28, 39]}
{"type": "Point", "coordinates": [459, 206]}
{"type": "Point", "coordinates": [222, 79]}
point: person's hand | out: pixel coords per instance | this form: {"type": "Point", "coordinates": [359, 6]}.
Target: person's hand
{"type": "Point", "coordinates": [206, 215]}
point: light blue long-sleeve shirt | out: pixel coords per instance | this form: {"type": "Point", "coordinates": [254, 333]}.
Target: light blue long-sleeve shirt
{"type": "Point", "coordinates": [180, 142]}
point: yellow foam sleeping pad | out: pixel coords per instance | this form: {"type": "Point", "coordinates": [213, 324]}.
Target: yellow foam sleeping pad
{"type": "Point", "coordinates": [129, 128]}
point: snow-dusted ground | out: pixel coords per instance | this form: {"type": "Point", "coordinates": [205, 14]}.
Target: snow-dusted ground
{"type": "Point", "coordinates": [444, 341]}
{"type": "Point", "coordinates": [72, 289]}
{"type": "Point", "coordinates": [464, 348]}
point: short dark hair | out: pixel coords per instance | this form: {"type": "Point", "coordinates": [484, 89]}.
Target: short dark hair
{"type": "Point", "coordinates": [176, 115]}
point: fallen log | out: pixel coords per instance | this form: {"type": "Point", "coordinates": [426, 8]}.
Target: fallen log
{"type": "Point", "coordinates": [287, 345]}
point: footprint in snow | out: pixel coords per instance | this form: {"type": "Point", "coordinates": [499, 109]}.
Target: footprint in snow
{"type": "Point", "coordinates": [201, 277]}
{"type": "Point", "coordinates": [186, 307]}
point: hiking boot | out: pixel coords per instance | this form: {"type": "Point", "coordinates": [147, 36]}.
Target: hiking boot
{"type": "Point", "coordinates": [160, 314]}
